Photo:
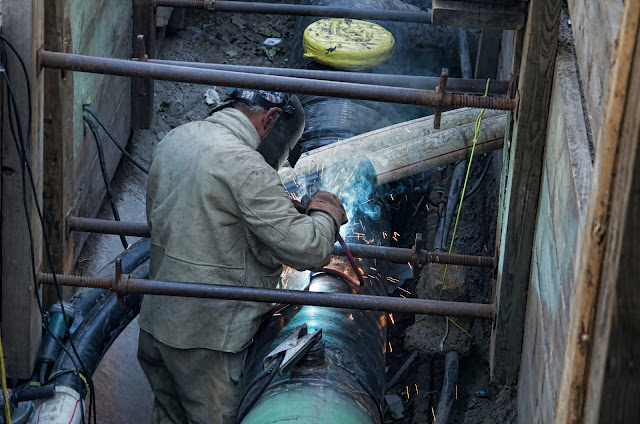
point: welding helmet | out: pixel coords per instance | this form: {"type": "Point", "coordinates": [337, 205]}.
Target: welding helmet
{"type": "Point", "coordinates": [286, 131]}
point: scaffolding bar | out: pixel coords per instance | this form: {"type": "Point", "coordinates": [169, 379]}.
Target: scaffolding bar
{"type": "Point", "coordinates": [391, 254]}
{"type": "Point", "coordinates": [299, 10]}
{"type": "Point", "coordinates": [127, 285]}
{"type": "Point", "coordinates": [129, 68]}
{"type": "Point", "coordinates": [455, 85]}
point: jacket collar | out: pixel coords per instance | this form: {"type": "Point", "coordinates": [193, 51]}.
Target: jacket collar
{"type": "Point", "coordinates": [239, 124]}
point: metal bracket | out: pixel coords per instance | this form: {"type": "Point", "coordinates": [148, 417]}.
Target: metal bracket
{"type": "Point", "coordinates": [441, 90]}
{"type": "Point", "coordinates": [121, 283]}
{"type": "Point", "coordinates": [415, 255]}
{"type": "Point", "coordinates": [141, 49]}
{"type": "Point", "coordinates": [210, 4]}
{"type": "Point", "coordinates": [294, 348]}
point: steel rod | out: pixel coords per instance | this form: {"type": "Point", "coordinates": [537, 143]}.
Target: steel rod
{"type": "Point", "coordinates": [299, 10]}
{"type": "Point", "coordinates": [402, 255]}
{"type": "Point", "coordinates": [455, 85]}
{"type": "Point", "coordinates": [296, 297]}
{"type": "Point", "coordinates": [105, 226]}
{"type": "Point", "coordinates": [391, 254]}
{"type": "Point", "coordinates": [129, 68]}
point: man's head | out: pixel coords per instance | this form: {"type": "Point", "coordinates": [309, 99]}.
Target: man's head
{"type": "Point", "coordinates": [261, 107]}
{"type": "Point", "coordinates": [278, 118]}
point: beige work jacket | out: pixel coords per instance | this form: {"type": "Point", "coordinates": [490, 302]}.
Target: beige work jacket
{"type": "Point", "coordinates": [218, 214]}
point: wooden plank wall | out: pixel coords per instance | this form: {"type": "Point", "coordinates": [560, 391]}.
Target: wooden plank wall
{"type": "Point", "coordinates": [520, 184]}
{"type": "Point", "coordinates": [600, 377]}
{"type": "Point", "coordinates": [595, 28]}
{"type": "Point", "coordinates": [567, 170]}
{"type": "Point", "coordinates": [22, 26]}
{"type": "Point", "coordinates": [99, 28]}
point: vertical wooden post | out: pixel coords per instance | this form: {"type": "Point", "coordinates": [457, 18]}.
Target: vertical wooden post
{"type": "Point", "coordinates": [520, 189]}
{"type": "Point", "coordinates": [144, 23]}
{"type": "Point", "coordinates": [58, 143]}
{"type": "Point", "coordinates": [22, 26]}
{"type": "Point", "coordinates": [600, 380]}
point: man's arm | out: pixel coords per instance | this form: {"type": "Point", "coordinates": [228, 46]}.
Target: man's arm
{"type": "Point", "coordinates": [298, 240]}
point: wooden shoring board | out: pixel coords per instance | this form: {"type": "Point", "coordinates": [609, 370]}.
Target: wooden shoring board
{"type": "Point", "coordinates": [144, 23]}
{"type": "Point", "coordinates": [22, 26]}
{"type": "Point", "coordinates": [595, 27]}
{"type": "Point", "coordinates": [520, 189]}
{"type": "Point", "coordinates": [600, 381]}
{"type": "Point", "coordinates": [58, 149]}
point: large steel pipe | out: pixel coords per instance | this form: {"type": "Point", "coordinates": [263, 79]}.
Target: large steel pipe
{"type": "Point", "coordinates": [455, 85]}
{"type": "Point", "coordinates": [128, 68]}
{"type": "Point", "coordinates": [383, 253]}
{"type": "Point", "coordinates": [294, 297]}
{"type": "Point", "coordinates": [299, 10]}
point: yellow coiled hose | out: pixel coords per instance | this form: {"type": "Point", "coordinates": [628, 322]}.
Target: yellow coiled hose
{"type": "Point", "coordinates": [347, 43]}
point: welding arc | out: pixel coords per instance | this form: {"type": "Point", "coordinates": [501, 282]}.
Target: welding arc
{"type": "Point", "coordinates": [352, 261]}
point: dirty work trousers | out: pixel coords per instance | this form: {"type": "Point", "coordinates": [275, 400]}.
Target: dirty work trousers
{"type": "Point", "coordinates": [191, 386]}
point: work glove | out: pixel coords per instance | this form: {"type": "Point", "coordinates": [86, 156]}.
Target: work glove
{"type": "Point", "coordinates": [300, 207]}
{"type": "Point", "coordinates": [328, 203]}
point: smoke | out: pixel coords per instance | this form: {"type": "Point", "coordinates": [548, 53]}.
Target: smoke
{"type": "Point", "coordinates": [353, 181]}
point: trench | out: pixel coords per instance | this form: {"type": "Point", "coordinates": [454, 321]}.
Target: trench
{"type": "Point", "coordinates": [404, 204]}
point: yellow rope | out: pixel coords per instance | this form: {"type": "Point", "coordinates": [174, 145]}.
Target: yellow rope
{"type": "Point", "coordinates": [464, 187]}
{"type": "Point", "coordinates": [5, 395]}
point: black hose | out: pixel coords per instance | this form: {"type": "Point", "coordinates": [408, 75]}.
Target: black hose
{"type": "Point", "coordinates": [118, 145]}
{"type": "Point", "coordinates": [105, 173]}
{"type": "Point", "coordinates": [449, 387]}
{"type": "Point", "coordinates": [83, 303]}
{"type": "Point", "coordinates": [96, 334]}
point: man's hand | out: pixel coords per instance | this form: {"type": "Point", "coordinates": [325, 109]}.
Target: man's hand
{"type": "Point", "coordinates": [330, 204]}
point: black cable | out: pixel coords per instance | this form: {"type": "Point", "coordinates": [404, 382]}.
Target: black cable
{"type": "Point", "coordinates": [23, 150]}
{"type": "Point", "coordinates": [105, 173]}
{"type": "Point", "coordinates": [118, 145]}
{"type": "Point", "coordinates": [477, 185]}
{"type": "Point", "coordinates": [270, 373]}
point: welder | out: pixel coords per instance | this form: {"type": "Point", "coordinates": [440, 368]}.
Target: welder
{"type": "Point", "coordinates": [218, 214]}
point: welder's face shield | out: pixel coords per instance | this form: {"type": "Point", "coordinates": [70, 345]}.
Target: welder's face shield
{"type": "Point", "coordinates": [287, 130]}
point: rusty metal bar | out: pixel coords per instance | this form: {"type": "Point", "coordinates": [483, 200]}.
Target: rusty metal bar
{"type": "Point", "coordinates": [299, 10]}
{"type": "Point", "coordinates": [127, 285]}
{"type": "Point", "coordinates": [455, 85]}
{"type": "Point", "coordinates": [128, 68]}
{"type": "Point", "coordinates": [403, 256]}
{"type": "Point", "coordinates": [391, 254]}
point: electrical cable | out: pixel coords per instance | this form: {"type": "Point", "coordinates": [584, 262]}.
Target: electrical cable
{"type": "Point", "coordinates": [23, 148]}
{"type": "Point", "coordinates": [480, 179]}
{"type": "Point", "coordinates": [105, 173]}
{"type": "Point", "coordinates": [118, 145]}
